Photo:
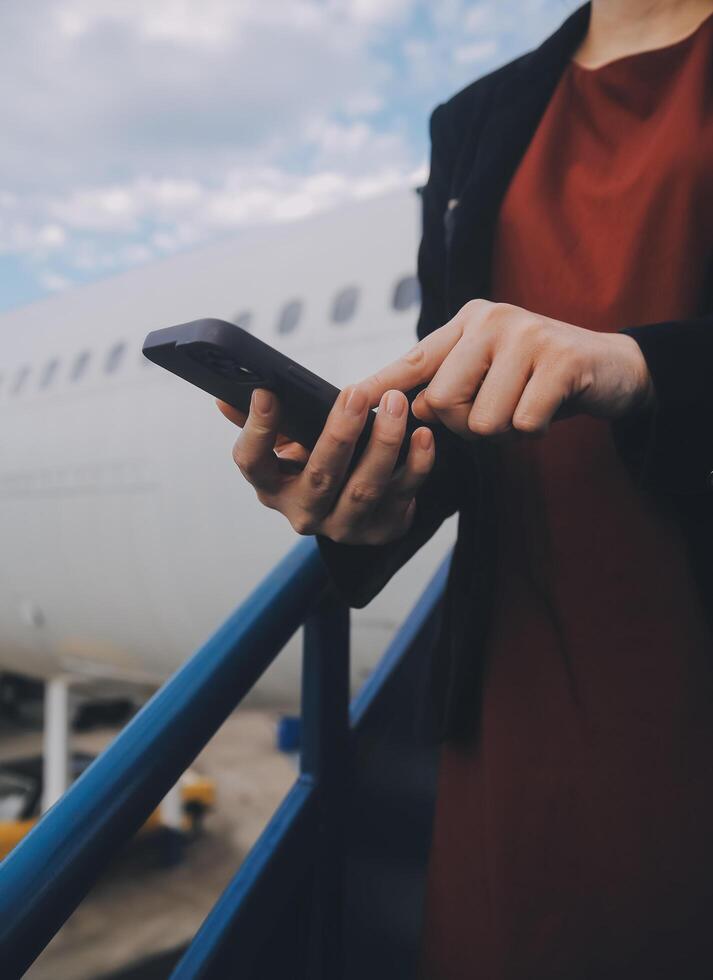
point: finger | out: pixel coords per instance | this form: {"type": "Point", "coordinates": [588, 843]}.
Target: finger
{"type": "Point", "coordinates": [293, 451]}
{"type": "Point", "coordinates": [254, 450]}
{"type": "Point", "coordinates": [419, 463]}
{"type": "Point", "coordinates": [399, 500]}
{"type": "Point", "coordinates": [542, 397]}
{"type": "Point", "coordinates": [327, 464]}
{"type": "Point", "coordinates": [416, 365]}
{"type": "Point", "coordinates": [503, 386]}
{"type": "Point", "coordinates": [291, 458]}
{"type": "Point", "coordinates": [366, 486]}
{"type": "Point", "coordinates": [230, 412]}
{"type": "Point", "coordinates": [421, 409]}
{"type": "Point", "coordinates": [238, 417]}
{"type": "Point", "coordinates": [452, 390]}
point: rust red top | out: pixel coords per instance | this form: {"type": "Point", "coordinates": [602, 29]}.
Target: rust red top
{"type": "Point", "coordinates": [576, 839]}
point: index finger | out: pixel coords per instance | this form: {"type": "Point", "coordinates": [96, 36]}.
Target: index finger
{"type": "Point", "coordinates": [415, 366]}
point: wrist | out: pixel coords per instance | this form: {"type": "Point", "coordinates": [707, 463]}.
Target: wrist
{"type": "Point", "coordinates": [642, 386]}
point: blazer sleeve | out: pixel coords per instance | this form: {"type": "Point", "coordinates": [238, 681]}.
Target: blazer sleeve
{"type": "Point", "coordinates": [669, 448]}
{"type": "Point", "coordinates": [359, 572]}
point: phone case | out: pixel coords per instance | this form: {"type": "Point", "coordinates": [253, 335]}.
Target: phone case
{"type": "Point", "coordinates": [229, 363]}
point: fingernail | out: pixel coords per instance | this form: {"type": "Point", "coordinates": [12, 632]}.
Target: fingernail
{"type": "Point", "coordinates": [395, 404]}
{"type": "Point", "coordinates": [425, 439]}
{"type": "Point", "coordinates": [356, 402]}
{"type": "Point", "coordinates": [262, 401]}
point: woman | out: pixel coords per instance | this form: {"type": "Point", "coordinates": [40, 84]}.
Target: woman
{"type": "Point", "coordinates": [568, 236]}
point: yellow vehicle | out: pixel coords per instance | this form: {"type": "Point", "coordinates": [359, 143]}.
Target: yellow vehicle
{"type": "Point", "coordinates": [21, 795]}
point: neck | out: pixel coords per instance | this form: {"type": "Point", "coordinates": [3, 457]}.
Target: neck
{"type": "Point", "coordinates": [621, 27]}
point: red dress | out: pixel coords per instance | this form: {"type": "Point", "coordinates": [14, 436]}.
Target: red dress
{"type": "Point", "coordinates": [575, 840]}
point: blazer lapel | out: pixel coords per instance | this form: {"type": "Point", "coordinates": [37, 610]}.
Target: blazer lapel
{"type": "Point", "coordinates": [518, 104]}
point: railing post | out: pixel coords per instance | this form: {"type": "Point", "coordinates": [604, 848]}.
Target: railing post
{"type": "Point", "coordinates": [55, 748]}
{"type": "Point", "coordinates": [325, 758]}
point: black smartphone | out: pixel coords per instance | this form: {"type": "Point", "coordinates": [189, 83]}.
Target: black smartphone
{"type": "Point", "coordinates": [227, 361]}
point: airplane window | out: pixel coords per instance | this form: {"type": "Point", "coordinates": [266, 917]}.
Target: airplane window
{"type": "Point", "coordinates": [244, 320]}
{"type": "Point", "coordinates": [290, 316]}
{"type": "Point", "coordinates": [407, 293]}
{"type": "Point", "coordinates": [114, 357]}
{"type": "Point", "coordinates": [80, 365]}
{"type": "Point", "coordinates": [345, 304]}
{"type": "Point", "coordinates": [20, 379]}
{"type": "Point", "coordinates": [49, 372]}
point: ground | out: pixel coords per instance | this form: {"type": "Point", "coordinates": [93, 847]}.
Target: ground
{"type": "Point", "coordinates": [139, 908]}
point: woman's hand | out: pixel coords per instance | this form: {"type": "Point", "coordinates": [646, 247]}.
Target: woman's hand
{"type": "Point", "coordinates": [375, 505]}
{"type": "Point", "coordinates": [494, 368]}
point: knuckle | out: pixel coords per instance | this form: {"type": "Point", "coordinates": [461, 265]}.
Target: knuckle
{"type": "Point", "coordinates": [374, 537]}
{"type": "Point", "coordinates": [379, 380]}
{"type": "Point", "coordinates": [414, 357]}
{"type": "Point", "coordinates": [493, 314]}
{"type": "Point", "coordinates": [338, 440]}
{"type": "Point", "coordinates": [389, 438]}
{"type": "Point", "coordinates": [339, 534]}
{"type": "Point", "coordinates": [528, 423]}
{"type": "Point", "coordinates": [304, 523]}
{"type": "Point", "coordinates": [265, 498]}
{"type": "Point", "coordinates": [532, 329]}
{"type": "Point", "coordinates": [319, 480]}
{"type": "Point", "coordinates": [484, 313]}
{"type": "Point", "coordinates": [240, 459]}
{"type": "Point", "coordinates": [363, 494]}
{"type": "Point", "coordinates": [477, 306]}
{"type": "Point", "coordinates": [485, 425]}
{"type": "Point", "coordinates": [437, 399]}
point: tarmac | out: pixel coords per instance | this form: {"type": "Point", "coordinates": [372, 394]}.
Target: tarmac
{"type": "Point", "coordinates": [141, 912]}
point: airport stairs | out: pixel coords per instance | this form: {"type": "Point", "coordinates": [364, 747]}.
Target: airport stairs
{"type": "Point", "coordinates": [333, 888]}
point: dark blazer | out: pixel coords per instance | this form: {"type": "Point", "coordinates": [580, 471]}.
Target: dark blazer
{"type": "Point", "coordinates": [478, 138]}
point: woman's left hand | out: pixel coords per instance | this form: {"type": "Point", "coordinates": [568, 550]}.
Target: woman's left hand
{"type": "Point", "coordinates": [494, 368]}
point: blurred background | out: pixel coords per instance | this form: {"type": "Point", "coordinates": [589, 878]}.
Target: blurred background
{"type": "Point", "coordinates": [256, 160]}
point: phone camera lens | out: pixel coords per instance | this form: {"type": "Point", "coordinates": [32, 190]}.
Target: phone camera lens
{"type": "Point", "coordinates": [219, 361]}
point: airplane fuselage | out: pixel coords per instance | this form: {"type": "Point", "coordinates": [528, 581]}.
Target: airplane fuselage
{"type": "Point", "coordinates": [127, 533]}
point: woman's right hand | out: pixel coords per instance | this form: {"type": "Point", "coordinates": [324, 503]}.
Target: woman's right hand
{"type": "Point", "coordinates": [376, 503]}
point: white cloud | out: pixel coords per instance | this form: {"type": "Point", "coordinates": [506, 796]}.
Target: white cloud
{"type": "Point", "coordinates": [467, 54]}
{"type": "Point", "coordinates": [53, 282]}
{"type": "Point", "coordinates": [478, 19]}
{"type": "Point", "coordinates": [374, 11]}
{"type": "Point", "coordinates": [136, 129]}
{"type": "Point", "coordinates": [51, 236]}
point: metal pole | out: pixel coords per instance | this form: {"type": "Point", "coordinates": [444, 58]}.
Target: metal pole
{"type": "Point", "coordinates": [55, 763]}
{"type": "Point", "coordinates": [325, 757]}
{"type": "Point", "coordinates": [172, 808]}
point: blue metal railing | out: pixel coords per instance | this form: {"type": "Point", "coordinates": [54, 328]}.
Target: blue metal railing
{"type": "Point", "coordinates": [293, 882]}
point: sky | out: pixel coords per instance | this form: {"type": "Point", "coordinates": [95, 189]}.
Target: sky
{"type": "Point", "coordinates": [132, 129]}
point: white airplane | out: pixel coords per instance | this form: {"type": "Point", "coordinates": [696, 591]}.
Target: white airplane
{"type": "Point", "coordinates": [127, 533]}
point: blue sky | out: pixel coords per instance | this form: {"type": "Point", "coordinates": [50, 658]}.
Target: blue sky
{"type": "Point", "coordinates": [135, 129]}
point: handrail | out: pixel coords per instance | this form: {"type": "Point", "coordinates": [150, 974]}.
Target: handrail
{"type": "Point", "coordinates": [228, 931]}
{"type": "Point", "coordinates": [299, 834]}
{"type": "Point", "coordinates": [78, 837]}
{"type": "Point", "coordinates": [303, 846]}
